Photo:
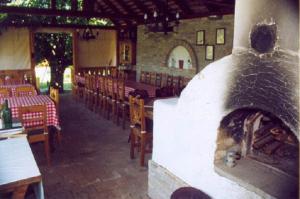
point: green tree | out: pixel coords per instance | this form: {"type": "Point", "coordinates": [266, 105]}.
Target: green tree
{"type": "Point", "coordinates": [56, 48]}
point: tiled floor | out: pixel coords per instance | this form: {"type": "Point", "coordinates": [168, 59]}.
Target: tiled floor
{"type": "Point", "coordinates": [93, 161]}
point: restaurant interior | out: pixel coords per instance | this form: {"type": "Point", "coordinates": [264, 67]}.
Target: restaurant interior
{"type": "Point", "coordinates": [140, 99]}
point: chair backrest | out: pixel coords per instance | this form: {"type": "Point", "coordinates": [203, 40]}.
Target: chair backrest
{"type": "Point", "coordinates": [121, 74]}
{"type": "Point", "coordinates": [169, 80]}
{"type": "Point", "coordinates": [153, 78]}
{"type": "Point", "coordinates": [33, 117]}
{"type": "Point", "coordinates": [102, 84]}
{"type": "Point", "coordinates": [143, 77]}
{"type": "Point", "coordinates": [114, 72]}
{"type": "Point", "coordinates": [2, 81]}
{"type": "Point", "coordinates": [148, 78]}
{"type": "Point", "coordinates": [175, 82]}
{"type": "Point", "coordinates": [120, 90]}
{"type": "Point", "coordinates": [158, 79]}
{"type": "Point", "coordinates": [54, 95]}
{"type": "Point", "coordinates": [25, 91]}
{"type": "Point", "coordinates": [110, 86]}
{"type": "Point", "coordinates": [163, 80]}
{"type": "Point", "coordinates": [5, 92]}
{"type": "Point", "coordinates": [137, 112]}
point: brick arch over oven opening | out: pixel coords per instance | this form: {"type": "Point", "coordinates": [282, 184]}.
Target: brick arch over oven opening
{"type": "Point", "coordinates": [189, 48]}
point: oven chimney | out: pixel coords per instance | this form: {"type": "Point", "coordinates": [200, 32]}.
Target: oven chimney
{"type": "Point", "coordinates": [282, 14]}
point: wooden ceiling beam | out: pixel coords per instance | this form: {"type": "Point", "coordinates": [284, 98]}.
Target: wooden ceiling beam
{"type": "Point", "coordinates": [64, 13]}
{"type": "Point", "coordinates": [184, 7]}
{"type": "Point", "coordinates": [220, 4]}
{"type": "Point", "coordinates": [77, 26]}
{"type": "Point", "coordinates": [142, 7]}
{"type": "Point", "coordinates": [125, 7]}
{"type": "Point", "coordinates": [116, 23]}
{"type": "Point", "coordinates": [116, 11]}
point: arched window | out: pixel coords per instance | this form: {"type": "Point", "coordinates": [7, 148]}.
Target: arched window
{"type": "Point", "coordinates": [180, 58]}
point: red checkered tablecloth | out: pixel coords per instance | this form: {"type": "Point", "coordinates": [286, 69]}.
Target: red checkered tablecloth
{"type": "Point", "coordinates": [132, 85]}
{"type": "Point", "coordinates": [13, 89]}
{"type": "Point", "coordinates": [15, 102]}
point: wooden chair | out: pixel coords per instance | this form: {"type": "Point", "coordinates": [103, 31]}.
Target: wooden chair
{"type": "Point", "coordinates": [102, 95]}
{"type": "Point", "coordinates": [34, 120]}
{"type": "Point", "coordinates": [95, 93]}
{"type": "Point", "coordinates": [25, 91]}
{"type": "Point", "coordinates": [153, 78]}
{"type": "Point", "coordinates": [158, 79]}
{"type": "Point", "coordinates": [121, 103]}
{"type": "Point", "coordinates": [54, 95]}
{"type": "Point", "coordinates": [175, 85]}
{"type": "Point", "coordinates": [163, 80]}
{"type": "Point", "coordinates": [111, 98]}
{"type": "Point", "coordinates": [148, 78]}
{"type": "Point", "coordinates": [86, 88]}
{"type": "Point", "coordinates": [143, 77]}
{"type": "Point", "coordinates": [169, 80]}
{"type": "Point", "coordinates": [2, 81]}
{"type": "Point", "coordinates": [139, 136]}
{"type": "Point", "coordinates": [5, 92]}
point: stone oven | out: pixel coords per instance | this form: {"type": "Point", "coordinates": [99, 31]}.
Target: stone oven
{"type": "Point", "coordinates": [234, 130]}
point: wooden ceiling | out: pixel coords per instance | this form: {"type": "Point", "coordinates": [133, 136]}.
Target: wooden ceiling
{"type": "Point", "coordinates": [134, 10]}
{"type": "Point", "coordinates": [131, 12]}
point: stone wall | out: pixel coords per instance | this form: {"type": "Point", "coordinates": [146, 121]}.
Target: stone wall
{"type": "Point", "coordinates": [153, 48]}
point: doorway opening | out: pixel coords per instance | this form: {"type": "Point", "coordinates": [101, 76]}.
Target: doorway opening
{"type": "Point", "coordinates": [53, 55]}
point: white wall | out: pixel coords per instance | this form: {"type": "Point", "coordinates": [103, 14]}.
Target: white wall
{"type": "Point", "coordinates": [101, 51]}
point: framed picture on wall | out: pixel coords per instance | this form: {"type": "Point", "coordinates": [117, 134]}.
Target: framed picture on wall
{"type": "Point", "coordinates": [220, 36]}
{"type": "Point", "coordinates": [209, 52]}
{"type": "Point", "coordinates": [200, 39]}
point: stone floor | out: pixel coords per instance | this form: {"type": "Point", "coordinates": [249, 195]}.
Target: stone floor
{"type": "Point", "coordinates": [93, 161]}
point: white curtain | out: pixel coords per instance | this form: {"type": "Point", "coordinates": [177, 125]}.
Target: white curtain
{"type": "Point", "coordinates": [14, 49]}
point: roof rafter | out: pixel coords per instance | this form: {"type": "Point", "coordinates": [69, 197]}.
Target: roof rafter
{"type": "Point", "coordinates": [116, 10]}
{"type": "Point", "coordinates": [65, 13]}
{"type": "Point", "coordinates": [184, 7]}
{"type": "Point", "coordinates": [142, 7]}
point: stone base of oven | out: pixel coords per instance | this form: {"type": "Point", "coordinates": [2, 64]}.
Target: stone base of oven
{"type": "Point", "coordinates": [162, 183]}
{"type": "Point", "coordinates": [260, 179]}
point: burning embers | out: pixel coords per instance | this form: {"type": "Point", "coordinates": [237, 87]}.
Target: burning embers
{"type": "Point", "coordinates": [260, 136]}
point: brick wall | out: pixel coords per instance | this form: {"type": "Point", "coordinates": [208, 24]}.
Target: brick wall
{"type": "Point", "coordinates": [153, 48]}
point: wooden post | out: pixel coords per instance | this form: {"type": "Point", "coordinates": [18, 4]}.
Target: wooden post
{"type": "Point", "coordinates": [32, 61]}
{"type": "Point", "coordinates": [74, 5]}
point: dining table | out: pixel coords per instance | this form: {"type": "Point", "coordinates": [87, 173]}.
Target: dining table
{"type": "Point", "coordinates": [133, 85]}
{"type": "Point", "coordinates": [18, 169]}
{"type": "Point", "coordinates": [15, 102]}
{"type": "Point", "coordinates": [13, 87]}
{"type": "Point", "coordinates": [130, 86]}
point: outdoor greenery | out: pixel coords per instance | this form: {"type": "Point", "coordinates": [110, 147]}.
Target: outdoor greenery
{"type": "Point", "coordinates": [56, 48]}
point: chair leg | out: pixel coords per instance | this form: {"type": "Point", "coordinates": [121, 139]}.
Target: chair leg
{"type": "Point", "coordinates": [47, 149]}
{"type": "Point", "coordinates": [58, 137]}
{"type": "Point", "coordinates": [143, 149]}
{"type": "Point", "coordinates": [123, 116]}
{"type": "Point", "coordinates": [117, 112]}
{"type": "Point", "coordinates": [132, 144]}
{"type": "Point", "coordinates": [113, 111]}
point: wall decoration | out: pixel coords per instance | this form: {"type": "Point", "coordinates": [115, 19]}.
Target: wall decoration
{"type": "Point", "coordinates": [220, 36]}
{"type": "Point", "coordinates": [200, 39]}
{"type": "Point", "coordinates": [209, 52]}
